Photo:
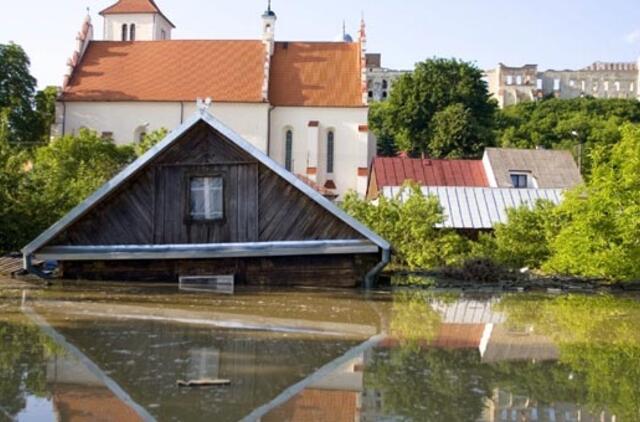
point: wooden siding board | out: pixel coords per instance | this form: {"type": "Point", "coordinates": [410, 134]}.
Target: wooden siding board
{"type": "Point", "coordinates": [259, 204]}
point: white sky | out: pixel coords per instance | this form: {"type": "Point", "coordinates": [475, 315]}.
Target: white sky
{"type": "Point", "coordinates": [552, 33]}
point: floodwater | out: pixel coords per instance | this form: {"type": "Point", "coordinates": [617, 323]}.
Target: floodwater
{"type": "Point", "coordinates": [114, 352]}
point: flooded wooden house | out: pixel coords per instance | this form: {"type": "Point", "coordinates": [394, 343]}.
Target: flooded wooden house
{"type": "Point", "coordinates": [204, 201]}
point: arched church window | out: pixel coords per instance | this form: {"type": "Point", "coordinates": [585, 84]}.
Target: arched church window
{"type": "Point", "coordinates": [330, 151]}
{"type": "Point", "coordinates": [124, 32]}
{"type": "Point", "coordinates": [288, 150]}
{"type": "Point", "coordinates": [385, 84]}
{"type": "Point", "coordinates": [132, 32]}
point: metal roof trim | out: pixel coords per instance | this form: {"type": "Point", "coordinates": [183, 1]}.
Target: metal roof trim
{"type": "Point", "coordinates": [145, 159]}
{"type": "Point", "coordinates": [207, 250]}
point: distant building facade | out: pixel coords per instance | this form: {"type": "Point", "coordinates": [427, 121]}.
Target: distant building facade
{"type": "Point", "coordinates": [514, 85]}
{"type": "Point", "coordinates": [380, 80]}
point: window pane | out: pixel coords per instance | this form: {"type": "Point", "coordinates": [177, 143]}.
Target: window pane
{"type": "Point", "coordinates": [206, 198]}
{"type": "Point", "coordinates": [330, 154]}
{"type": "Point", "coordinates": [288, 153]}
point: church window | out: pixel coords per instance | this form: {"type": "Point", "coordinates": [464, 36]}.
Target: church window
{"type": "Point", "coordinates": [556, 84]}
{"type": "Point", "coordinates": [385, 84]}
{"type": "Point", "coordinates": [370, 94]}
{"type": "Point", "coordinates": [519, 80]}
{"type": "Point", "coordinates": [330, 151]}
{"type": "Point", "coordinates": [384, 94]}
{"type": "Point", "coordinates": [288, 150]}
{"type": "Point", "coordinates": [163, 34]}
{"type": "Point", "coordinates": [132, 32]}
{"type": "Point", "coordinates": [509, 80]}
{"type": "Point", "coordinates": [124, 32]}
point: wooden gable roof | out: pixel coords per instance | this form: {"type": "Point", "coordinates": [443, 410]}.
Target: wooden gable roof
{"type": "Point", "coordinates": [328, 219]}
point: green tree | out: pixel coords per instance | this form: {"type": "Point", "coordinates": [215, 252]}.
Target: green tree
{"type": "Point", "coordinates": [37, 188]}
{"type": "Point", "coordinates": [149, 140]}
{"type": "Point", "coordinates": [45, 108]}
{"type": "Point", "coordinates": [524, 240]}
{"type": "Point", "coordinates": [456, 133]}
{"type": "Point", "coordinates": [409, 221]}
{"type": "Point", "coordinates": [563, 124]}
{"type": "Point", "coordinates": [600, 238]}
{"type": "Point", "coordinates": [18, 120]}
{"type": "Point", "coordinates": [432, 87]}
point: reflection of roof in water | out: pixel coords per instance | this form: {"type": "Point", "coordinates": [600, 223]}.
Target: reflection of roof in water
{"type": "Point", "coordinates": [468, 311]}
{"type": "Point", "coordinates": [317, 405]}
{"type": "Point", "coordinates": [81, 403]}
{"type": "Point", "coordinates": [506, 345]}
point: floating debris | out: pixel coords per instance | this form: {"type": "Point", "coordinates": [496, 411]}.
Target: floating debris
{"type": "Point", "coordinates": [203, 383]}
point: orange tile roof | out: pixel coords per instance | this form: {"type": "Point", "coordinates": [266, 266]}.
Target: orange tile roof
{"type": "Point", "coordinates": [226, 71]}
{"type": "Point", "coordinates": [316, 74]}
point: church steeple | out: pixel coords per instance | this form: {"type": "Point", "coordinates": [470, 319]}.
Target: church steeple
{"type": "Point", "coordinates": [128, 20]}
{"type": "Point", "coordinates": [269, 19]}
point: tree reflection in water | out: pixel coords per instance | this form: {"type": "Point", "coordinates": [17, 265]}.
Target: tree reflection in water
{"type": "Point", "coordinates": [598, 370]}
{"type": "Point", "coordinates": [24, 353]}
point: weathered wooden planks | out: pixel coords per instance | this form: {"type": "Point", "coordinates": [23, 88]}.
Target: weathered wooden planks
{"type": "Point", "coordinates": [322, 270]}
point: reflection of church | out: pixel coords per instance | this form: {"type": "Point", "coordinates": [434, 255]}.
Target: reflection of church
{"type": "Point", "coordinates": [303, 103]}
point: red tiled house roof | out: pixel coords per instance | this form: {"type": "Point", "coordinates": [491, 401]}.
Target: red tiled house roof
{"type": "Point", "coordinates": [394, 171]}
{"type": "Point", "coordinates": [316, 74]}
{"type": "Point", "coordinates": [227, 71]}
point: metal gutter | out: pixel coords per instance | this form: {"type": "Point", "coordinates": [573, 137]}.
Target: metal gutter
{"type": "Point", "coordinates": [204, 251]}
{"type": "Point", "coordinates": [370, 278]}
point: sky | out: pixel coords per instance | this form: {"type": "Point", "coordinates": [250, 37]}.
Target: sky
{"type": "Point", "coordinates": [555, 34]}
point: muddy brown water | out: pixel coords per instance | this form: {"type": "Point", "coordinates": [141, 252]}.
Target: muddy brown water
{"type": "Point", "coordinates": [115, 352]}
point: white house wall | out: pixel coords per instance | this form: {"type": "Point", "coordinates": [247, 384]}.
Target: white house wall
{"type": "Point", "coordinates": [350, 153]}
{"type": "Point", "coordinates": [125, 120]}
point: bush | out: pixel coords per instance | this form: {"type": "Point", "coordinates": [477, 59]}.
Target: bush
{"type": "Point", "coordinates": [524, 240]}
{"type": "Point", "coordinates": [601, 237]}
{"type": "Point", "coordinates": [411, 227]}
{"type": "Point", "coordinates": [37, 188]}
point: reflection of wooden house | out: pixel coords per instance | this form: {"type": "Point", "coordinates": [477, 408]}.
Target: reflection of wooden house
{"type": "Point", "coordinates": [205, 201]}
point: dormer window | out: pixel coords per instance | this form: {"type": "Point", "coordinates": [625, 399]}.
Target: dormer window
{"type": "Point", "coordinates": [520, 180]}
{"type": "Point", "coordinates": [125, 32]}
{"type": "Point", "coordinates": [132, 32]}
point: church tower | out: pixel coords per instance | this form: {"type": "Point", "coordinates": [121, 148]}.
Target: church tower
{"type": "Point", "coordinates": [135, 20]}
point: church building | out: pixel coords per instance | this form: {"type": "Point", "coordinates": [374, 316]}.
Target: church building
{"type": "Point", "coordinates": [304, 104]}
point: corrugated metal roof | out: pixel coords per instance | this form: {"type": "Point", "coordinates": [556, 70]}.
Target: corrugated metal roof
{"type": "Point", "coordinates": [479, 208]}
{"type": "Point", "coordinates": [394, 171]}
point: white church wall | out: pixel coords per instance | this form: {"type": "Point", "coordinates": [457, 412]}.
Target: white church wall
{"type": "Point", "coordinates": [348, 150]}
{"type": "Point", "coordinates": [250, 120]}
{"type": "Point", "coordinates": [144, 26]}
{"type": "Point", "coordinates": [124, 120]}
{"type": "Point", "coordinates": [163, 28]}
